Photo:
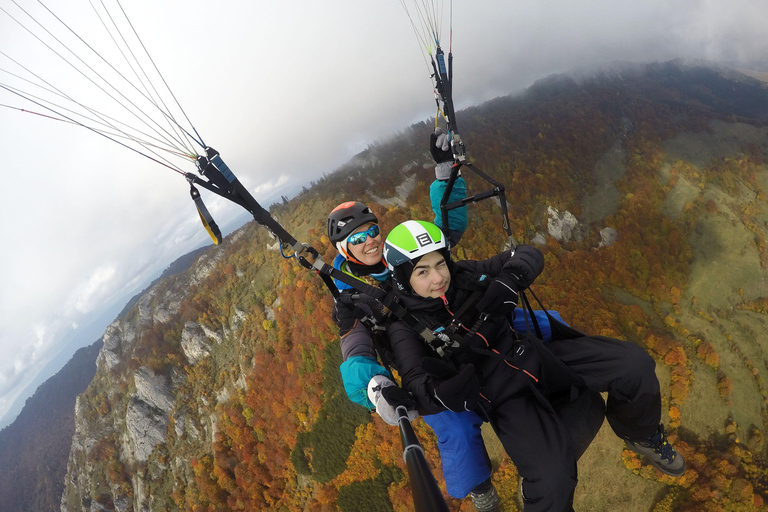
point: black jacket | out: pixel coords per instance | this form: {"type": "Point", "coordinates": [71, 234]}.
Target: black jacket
{"type": "Point", "coordinates": [505, 365]}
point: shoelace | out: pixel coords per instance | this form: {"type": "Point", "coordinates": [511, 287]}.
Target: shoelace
{"type": "Point", "coordinates": [661, 445]}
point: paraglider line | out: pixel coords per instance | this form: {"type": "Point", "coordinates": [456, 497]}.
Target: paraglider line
{"type": "Point", "coordinates": [94, 131]}
{"type": "Point", "coordinates": [200, 141]}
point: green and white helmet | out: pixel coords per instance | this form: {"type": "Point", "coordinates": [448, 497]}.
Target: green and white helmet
{"type": "Point", "coordinates": [411, 240]}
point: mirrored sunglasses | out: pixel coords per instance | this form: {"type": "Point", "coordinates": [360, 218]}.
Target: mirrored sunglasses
{"type": "Point", "coordinates": [359, 238]}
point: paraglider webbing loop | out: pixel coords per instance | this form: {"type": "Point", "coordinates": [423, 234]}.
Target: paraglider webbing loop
{"type": "Point", "coordinates": [207, 219]}
{"type": "Point", "coordinates": [497, 190]}
{"type": "Point", "coordinates": [224, 183]}
{"type": "Point", "coordinates": [443, 77]}
{"type": "Point", "coordinates": [426, 493]}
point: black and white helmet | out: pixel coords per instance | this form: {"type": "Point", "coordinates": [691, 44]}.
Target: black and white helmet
{"type": "Point", "coordinates": [344, 220]}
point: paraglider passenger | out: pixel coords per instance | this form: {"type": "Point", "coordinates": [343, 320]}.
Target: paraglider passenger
{"type": "Point", "coordinates": [508, 379]}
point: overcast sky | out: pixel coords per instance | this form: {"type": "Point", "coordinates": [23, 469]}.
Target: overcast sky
{"type": "Point", "coordinates": [286, 90]}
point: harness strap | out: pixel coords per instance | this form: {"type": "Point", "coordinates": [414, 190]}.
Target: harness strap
{"type": "Point", "coordinates": [469, 303]}
{"type": "Point", "coordinates": [560, 331]}
{"type": "Point", "coordinates": [528, 310]}
{"type": "Point", "coordinates": [437, 339]}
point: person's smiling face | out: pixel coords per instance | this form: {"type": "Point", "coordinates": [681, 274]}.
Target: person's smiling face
{"type": "Point", "coordinates": [369, 251]}
{"type": "Point", "coordinates": [430, 277]}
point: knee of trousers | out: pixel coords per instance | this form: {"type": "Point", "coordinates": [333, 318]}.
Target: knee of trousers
{"type": "Point", "coordinates": [638, 365]}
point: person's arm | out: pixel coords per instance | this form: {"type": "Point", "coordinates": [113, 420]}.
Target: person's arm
{"type": "Point", "coordinates": [367, 382]}
{"type": "Point", "coordinates": [517, 273]}
{"type": "Point", "coordinates": [457, 218]}
{"type": "Point", "coordinates": [492, 266]}
{"type": "Point", "coordinates": [360, 363]}
{"type": "Point", "coordinates": [409, 350]}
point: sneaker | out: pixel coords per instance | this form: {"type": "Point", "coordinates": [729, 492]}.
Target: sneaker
{"type": "Point", "coordinates": [488, 501]}
{"type": "Point", "coordinates": [661, 454]}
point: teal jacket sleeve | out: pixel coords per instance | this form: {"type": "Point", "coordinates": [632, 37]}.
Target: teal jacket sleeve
{"type": "Point", "coordinates": [356, 373]}
{"type": "Point", "coordinates": [457, 218]}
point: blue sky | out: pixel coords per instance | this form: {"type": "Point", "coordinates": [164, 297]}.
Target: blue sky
{"type": "Point", "coordinates": [286, 91]}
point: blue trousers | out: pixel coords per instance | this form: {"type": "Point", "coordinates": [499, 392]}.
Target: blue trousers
{"type": "Point", "coordinates": [465, 463]}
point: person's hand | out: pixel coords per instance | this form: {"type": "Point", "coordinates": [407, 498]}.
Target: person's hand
{"type": "Point", "coordinates": [501, 296]}
{"type": "Point", "coordinates": [524, 265]}
{"type": "Point", "coordinates": [459, 392]}
{"type": "Point", "coordinates": [440, 146]}
{"type": "Point", "coordinates": [386, 396]}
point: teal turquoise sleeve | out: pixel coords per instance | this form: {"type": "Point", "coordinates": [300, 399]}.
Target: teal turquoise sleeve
{"type": "Point", "coordinates": [457, 218]}
{"type": "Point", "coordinates": [356, 373]}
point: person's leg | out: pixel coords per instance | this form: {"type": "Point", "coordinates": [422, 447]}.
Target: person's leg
{"type": "Point", "coordinates": [626, 372]}
{"type": "Point", "coordinates": [538, 445]}
{"type": "Point", "coordinates": [462, 450]}
{"type": "Point", "coordinates": [582, 417]}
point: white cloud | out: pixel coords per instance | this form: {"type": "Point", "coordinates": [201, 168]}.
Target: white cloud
{"type": "Point", "coordinates": [266, 188]}
{"type": "Point", "coordinates": [93, 292]}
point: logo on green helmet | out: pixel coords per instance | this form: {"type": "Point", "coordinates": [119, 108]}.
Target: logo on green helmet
{"type": "Point", "coordinates": [410, 240]}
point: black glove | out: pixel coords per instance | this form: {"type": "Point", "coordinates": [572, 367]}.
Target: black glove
{"type": "Point", "coordinates": [501, 296]}
{"type": "Point", "coordinates": [438, 153]}
{"type": "Point", "coordinates": [458, 393]}
{"type": "Point", "coordinates": [525, 265]}
{"type": "Point", "coordinates": [397, 396]}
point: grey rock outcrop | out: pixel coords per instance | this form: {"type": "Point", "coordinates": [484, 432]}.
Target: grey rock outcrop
{"type": "Point", "coordinates": [146, 427]}
{"type": "Point", "coordinates": [153, 389]}
{"type": "Point", "coordinates": [193, 342]}
{"type": "Point", "coordinates": [564, 226]}
{"type": "Point", "coordinates": [608, 236]}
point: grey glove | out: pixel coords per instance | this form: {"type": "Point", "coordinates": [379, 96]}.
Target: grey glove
{"type": "Point", "coordinates": [386, 396]}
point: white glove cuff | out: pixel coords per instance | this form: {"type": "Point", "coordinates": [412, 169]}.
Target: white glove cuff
{"type": "Point", "coordinates": [375, 385]}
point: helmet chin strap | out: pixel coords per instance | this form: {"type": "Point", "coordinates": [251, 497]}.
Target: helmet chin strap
{"type": "Point", "coordinates": [342, 247]}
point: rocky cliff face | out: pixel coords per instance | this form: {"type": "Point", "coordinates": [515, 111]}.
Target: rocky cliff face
{"type": "Point", "coordinates": [139, 407]}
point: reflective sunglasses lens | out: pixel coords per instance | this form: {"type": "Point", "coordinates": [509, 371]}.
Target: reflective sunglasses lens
{"type": "Point", "coordinates": [359, 238]}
